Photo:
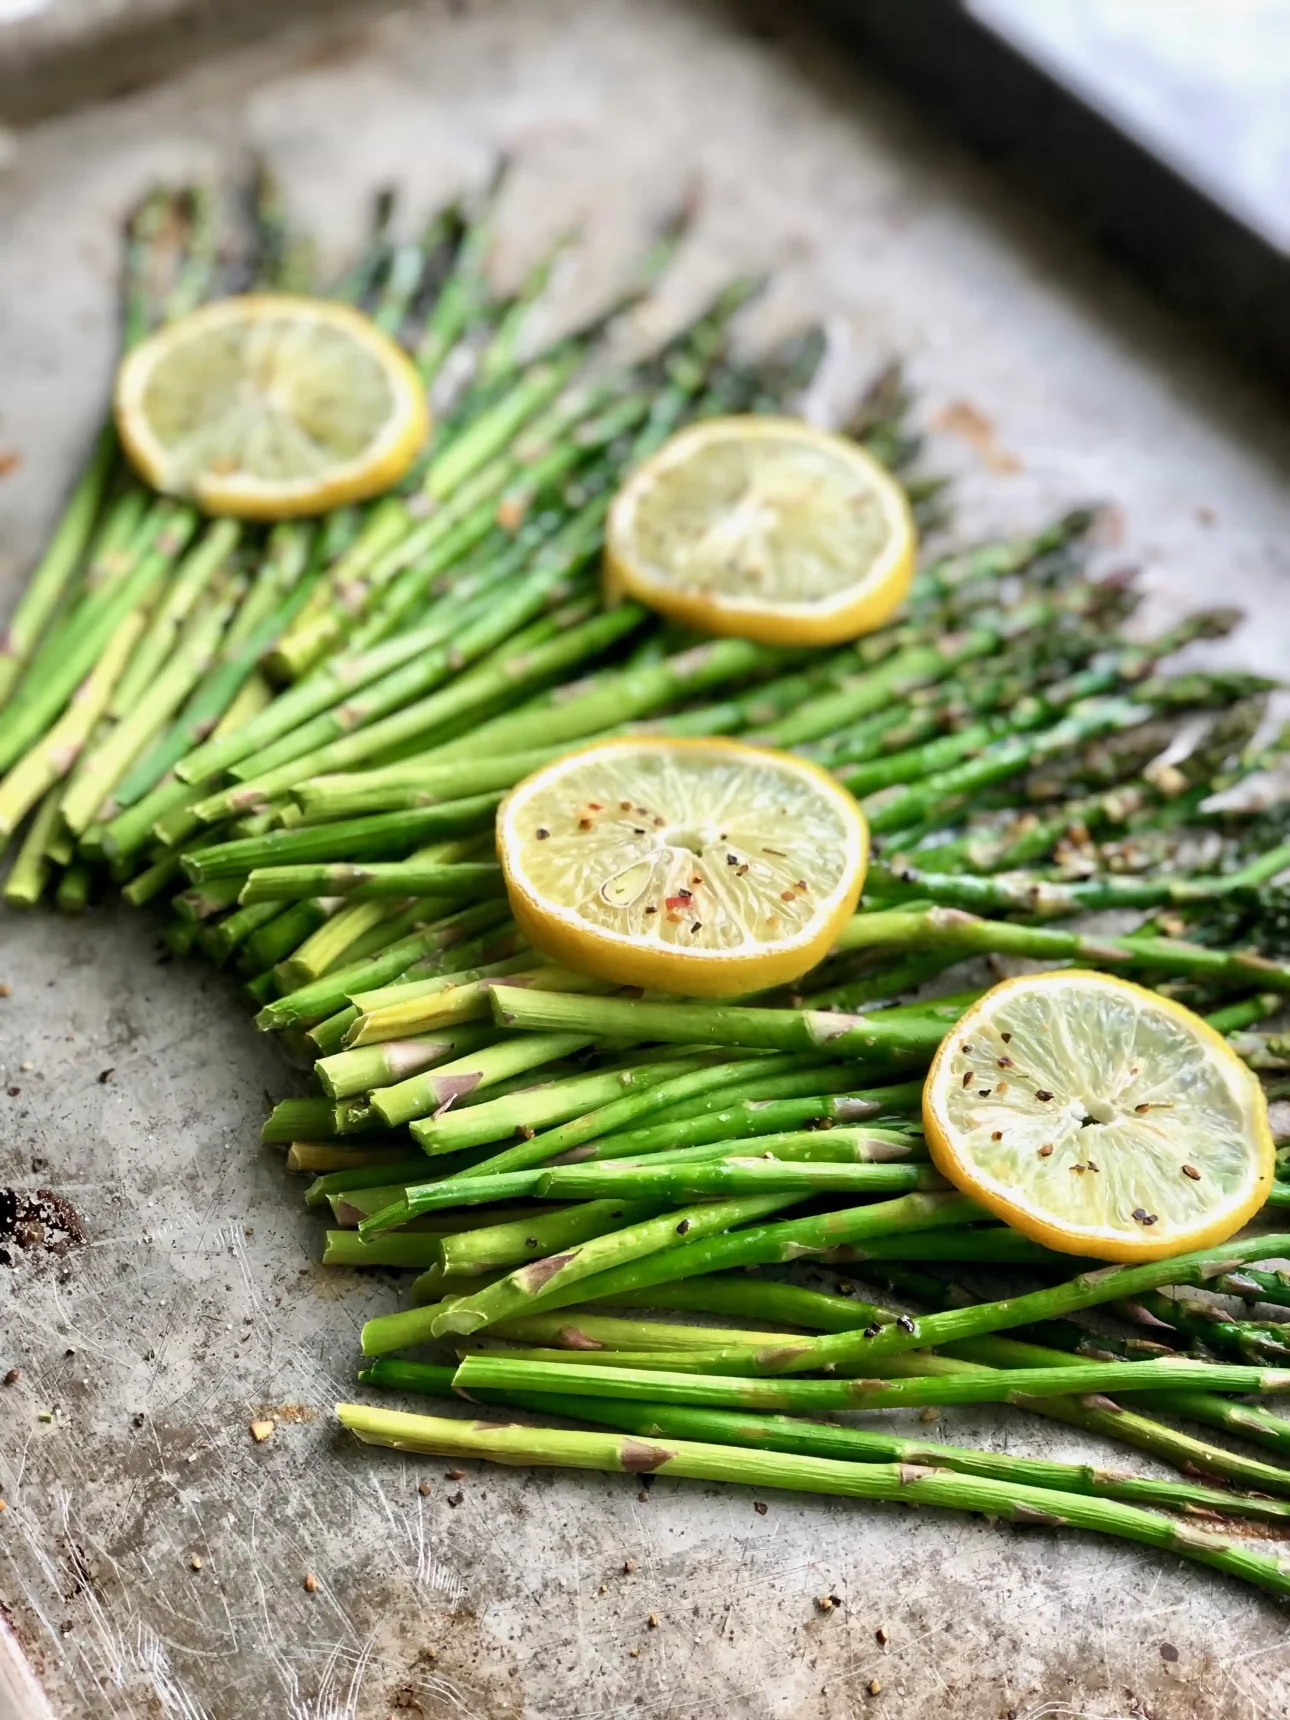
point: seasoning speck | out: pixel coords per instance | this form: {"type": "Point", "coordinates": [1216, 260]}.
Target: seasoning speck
{"type": "Point", "coordinates": [997, 1135]}
{"type": "Point", "coordinates": [1192, 1172]}
{"type": "Point", "coordinates": [542, 835]}
{"type": "Point", "coordinates": [1143, 1216]}
{"type": "Point", "coordinates": [1046, 1151]}
{"type": "Point", "coordinates": [196, 1561]}
{"type": "Point", "coordinates": [683, 1227]}
{"type": "Point", "coordinates": [760, 1507]}
{"type": "Point", "coordinates": [1043, 1094]}
{"type": "Point", "coordinates": [424, 1489]}
{"type": "Point", "coordinates": [260, 1431]}
{"type": "Point", "coordinates": [13, 1376]}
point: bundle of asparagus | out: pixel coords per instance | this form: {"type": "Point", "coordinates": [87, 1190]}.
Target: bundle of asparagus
{"type": "Point", "coordinates": [308, 730]}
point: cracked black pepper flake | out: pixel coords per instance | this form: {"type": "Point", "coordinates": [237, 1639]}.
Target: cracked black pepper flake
{"type": "Point", "coordinates": [1043, 1094]}
{"type": "Point", "coordinates": [1143, 1216]}
{"type": "Point", "coordinates": [542, 835]}
{"type": "Point", "coordinates": [683, 1227]}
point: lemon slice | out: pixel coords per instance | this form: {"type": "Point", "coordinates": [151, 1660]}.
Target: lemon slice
{"type": "Point", "coordinates": [270, 406]}
{"type": "Point", "coordinates": [703, 867]}
{"type": "Point", "coordinates": [1099, 1118]}
{"type": "Point", "coordinates": [764, 528]}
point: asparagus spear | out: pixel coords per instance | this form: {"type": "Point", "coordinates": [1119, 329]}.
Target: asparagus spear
{"type": "Point", "coordinates": [660, 1382]}
{"type": "Point", "coordinates": [890, 1038]}
{"type": "Point", "coordinates": [899, 1483]}
{"type": "Point", "coordinates": [1105, 1284]}
{"type": "Point", "coordinates": [810, 1438]}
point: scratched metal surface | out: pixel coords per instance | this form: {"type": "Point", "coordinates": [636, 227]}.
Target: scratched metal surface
{"type": "Point", "coordinates": [195, 1304]}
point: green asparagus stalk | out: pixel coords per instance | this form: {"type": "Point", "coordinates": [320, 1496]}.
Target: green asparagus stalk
{"type": "Point", "coordinates": [902, 1484]}
{"type": "Point", "coordinates": [854, 1161]}
{"type": "Point", "coordinates": [750, 1107]}
{"type": "Point", "coordinates": [31, 869]}
{"type": "Point", "coordinates": [660, 1382]}
{"type": "Point", "coordinates": [76, 645]}
{"type": "Point", "coordinates": [518, 1293]}
{"type": "Point", "coordinates": [54, 573]}
{"type": "Point", "coordinates": [810, 1438]}
{"type": "Point", "coordinates": [375, 881]}
{"type": "Point", "coordinates": [951, 928]}
{"type": "Point", "coordinates": [890, 1038]}
{"type": "Point", "coordinates": [52, 757]}
{"type": "Point", "coordinates": [359, 837]}
{"type": "Point", "coordinates": [545, 1108]}
{"type": "Point", "coordinates": [420, 1095]}
{"type": "Point", "coordinates": [1088, 1290]}
{"type": "Point", "coordinates": [417, 1006]}
{"type": "Point", "coordinates": [351, 1072]}
{"type": "Point", "coordinates": [478, 1252]}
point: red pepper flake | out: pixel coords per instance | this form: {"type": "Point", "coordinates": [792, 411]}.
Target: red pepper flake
{"type": "Point", "coordinates": [595, 806]}
{"type": "Point", "coordinates": [997, 1135]}
{"type": "Point", "coordinates": [1046, 1151]}
{"type": "Point", "coordinates": [672, 903]}
{"type": "Point", "coordinates": [788, 895]}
